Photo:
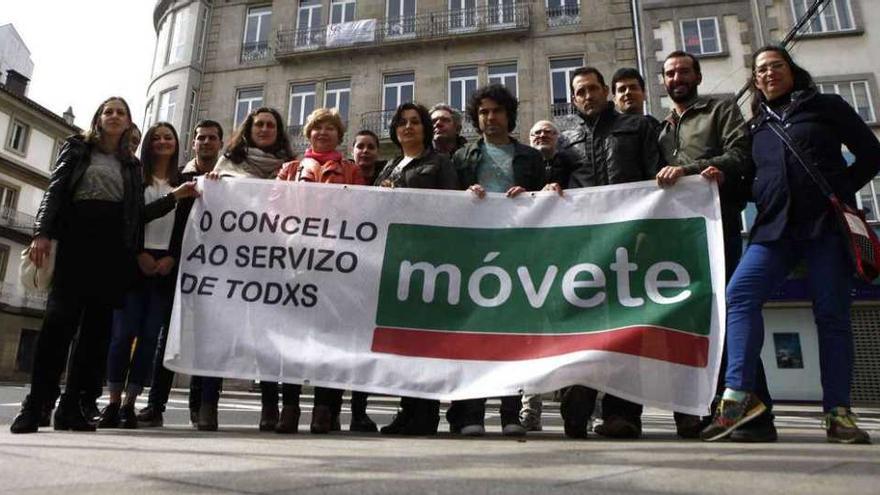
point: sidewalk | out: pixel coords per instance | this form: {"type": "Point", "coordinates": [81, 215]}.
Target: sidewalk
{"type": "Point", "coordinates": [238, 459]}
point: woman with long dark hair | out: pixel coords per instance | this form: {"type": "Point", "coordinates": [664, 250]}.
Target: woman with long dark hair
{"type": "Point", "coordinates": [418, 166]}
{"type": "Point", "coordinates": [793, 122]}
{"type": "Point", "coordinates": [94, 208]}
{"type": "Point", "coordinates": [147, 304]}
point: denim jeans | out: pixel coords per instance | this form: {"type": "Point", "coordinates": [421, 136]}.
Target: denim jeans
{"type": "Point", "coordinates": [762, 271]}
{"type": "Point", "coordinates": [142, 316]}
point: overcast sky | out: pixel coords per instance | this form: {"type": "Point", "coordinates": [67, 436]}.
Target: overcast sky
{"type": "Point", "coordinates": [86, 50]}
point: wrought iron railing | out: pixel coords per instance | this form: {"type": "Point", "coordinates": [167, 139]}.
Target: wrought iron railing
{"type": "Point", "coordinates": [565, 115]}
{"type": "Point", "coordinates": [564, 15]}
{"type": "Point", "coordinates": [377, 122]}
{"type": "Point", "coordinates": [251, 52]}
{"type": "Point", "coordinates": [16, 296]}
{"type": "Point", "coordinates": [16, 220]}
{"type": "Point", "coordinates": [430, 25]}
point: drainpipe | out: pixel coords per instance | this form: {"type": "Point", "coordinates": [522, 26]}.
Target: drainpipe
{"type": "Point", "coordinates": [640, 56]}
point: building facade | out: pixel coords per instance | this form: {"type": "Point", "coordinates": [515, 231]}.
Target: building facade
{"type": "Point", "coordinates": [220, 60]}
{"type": "Point", "coordinates": [32, 136]}
{"type": "Point", "coordinates": [14, 54]}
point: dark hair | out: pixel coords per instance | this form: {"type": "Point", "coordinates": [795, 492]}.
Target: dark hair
{"type": "Point", "coordinates": [453, 112]}
{"type": "Point", "coordinates": [682, 53]}
{"type": "Point", "coordinates": [366, 132]}
{"type": "Point", "coordinates": [585, 71]}
{"type": "Point", "coordinates": [424, 116]}
{"type": "Point", "coordinates": [626, 73]}
{"type": "Point", "coordinates": [93, 135]}
{"type": "Point", "coordinates": [802, 79]}
{"type": "Point", "coordinates": [149, 161]}
{"type": "Point", "coordinates": [500, 95]}
{"type": "Point", "coordinates": [236, 148]}
{"type": "Point", "coordinates": [209, 123]}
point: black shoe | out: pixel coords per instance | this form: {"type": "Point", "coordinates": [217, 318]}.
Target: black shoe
{"type": "Point", "coordinates": [109, 416]}
{"type": "Point", "coordinates": [335, 425]}
{"type": "Point", "coordinates": [289, 422]}
{"type": "Point", "coordinates": [268, 418]}
{"type": "Point", "coordinates": [127, 417]}
{"type": "Point", "coordinates": [688, 426]}
{"type": "Point", "coordinates": [424, 420]}
{"type": "Point", "coordinates": [620, 427]}
{"type": "Point", "coordinates": [90, 409]}
{"type": "Point", "coordinates": [397, 424]}
{"type": "Point", "coordinates": [28, 419]}
{"type": "Point", "coordinates": [150, 416]}
{"type": "Point", "coordinates": [322, 420]}
{"type": "Point", "coordinates": [69, 416]}
{"type": "Point", "coordinates": [576, 408]}
{"type": "Point", "coordinates": [46, 415]}
{"type": "Point", "coordinates": [362, 423]}
{"type": "Point", "coordinates": [511, 427]}
{"type": "Point", "coordinates": [207, 420]}
{"type": "Point", "coordinates": [760, 430]}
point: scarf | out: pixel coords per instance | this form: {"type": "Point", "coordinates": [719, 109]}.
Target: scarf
{"type": "Point", "coordinates": [324, 156]}
{"type": "Point", "coordinates": [257, 164]}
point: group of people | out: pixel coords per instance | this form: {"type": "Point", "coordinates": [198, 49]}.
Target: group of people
{"type": "Point", "coordinates": [119, 221]}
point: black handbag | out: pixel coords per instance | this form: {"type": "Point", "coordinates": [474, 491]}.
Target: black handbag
{"type": "Point", "coordinates": [863, 246]}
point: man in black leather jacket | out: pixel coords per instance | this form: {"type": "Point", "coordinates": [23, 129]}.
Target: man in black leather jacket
{"type": "Point", "coordinates": [609, 148]}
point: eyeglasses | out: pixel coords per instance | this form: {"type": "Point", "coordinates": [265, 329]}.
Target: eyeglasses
{"type": "Point", "coordinates": [539, 132]}
{"type": "Point", "coordinates": [763, 70]}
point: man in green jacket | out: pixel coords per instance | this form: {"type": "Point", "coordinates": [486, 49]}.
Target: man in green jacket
{"type": "Point", "coordinates": [708, 136]}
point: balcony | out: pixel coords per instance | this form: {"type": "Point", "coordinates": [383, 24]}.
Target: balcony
{"type": "Point", "coordinates": [298, 142]}
{"type": "Point", "coordinates": [565, 116]}
{"type": "Point", "coordinates": [378, 122]}
{"type": "Point", "coordinates": [13, 295]}
{"type": "Point", "coordinates": [17, 222]}
{"type": "Point", "coordinates": [480, 21]}
{"type": "Point", "coordinates": [566, 15]}
{"type": "Point", "coordinates": [252, 52]}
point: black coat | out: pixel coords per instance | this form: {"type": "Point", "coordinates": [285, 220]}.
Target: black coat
{"type": "Point", "coordinates": [614, 149]}
{"type": "Point", "coordinates": [790, 205]}
{"type": "Point", "coordinates": [528, 165]}
{"type": "Point", "coordinates": [431, 170]}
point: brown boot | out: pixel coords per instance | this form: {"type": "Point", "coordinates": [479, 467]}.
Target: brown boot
{"type": "Point", "coordinates": [322, 420]}
{"type": "Point", "coordinates": [289, 422]}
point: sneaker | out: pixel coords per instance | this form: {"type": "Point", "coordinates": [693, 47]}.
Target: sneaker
{"type": "Point", "coordinates": [513, 430]}
{"type": "Point", "coordinates": [760, 430]}
{"type": "Point", "coordinates": [619, 427]}
{"type": "Point", "coordinates": [531, 422]}
{"type": "Point", "coordinates": [476, 430]}
{"type": "Point", "coordinates": [150, 416]}
{"type": "Point", "coordinates": [732, 414]}
{"type": "Point", "coordinates": [840, 427]}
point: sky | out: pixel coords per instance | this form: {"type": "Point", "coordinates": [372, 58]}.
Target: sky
{"type": "Point", "coordinates": [85, 51]}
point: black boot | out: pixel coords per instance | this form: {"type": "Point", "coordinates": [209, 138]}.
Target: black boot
{"type": "Point", "coordinates": [28, 419]}
{"type": "Point", "coordinates": [69, 415]}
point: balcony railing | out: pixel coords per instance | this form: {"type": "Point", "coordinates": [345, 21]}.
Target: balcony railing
{"type": "Point", "coordinates": [563, 16]}
{"type": "Point", "coordinates": [377, 122]}
{"type": "Point", "coordinates": [565, 116]}
{"type": "Point", "coordinates": [251, 52]}
{"type": "Point", "coordinates": [430, 25]}
{"type": "Point", "coordinates": [15, 296]}
{"type": "Point", "coordinates": [16, 220]}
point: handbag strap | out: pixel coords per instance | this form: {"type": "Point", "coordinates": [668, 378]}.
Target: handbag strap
{"type": "Point", "coordinates": [809, 167]}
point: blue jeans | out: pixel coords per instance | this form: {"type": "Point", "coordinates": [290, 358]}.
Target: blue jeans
{"type": "Point", "coordinates": [763, 269]}
{"type": "Point", "coordinates": [142, 316]}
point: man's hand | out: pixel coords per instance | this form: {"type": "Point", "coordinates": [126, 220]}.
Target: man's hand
{"type": "Point", "coordinates": [164, 265]}
{"type": "Point", "coordinates": [478, 191]}
{"type": "Point", "coordinates": [147, 264]}
{"type": "Point", "coordinates": [669, 175]}
{"type": "Point", "coordinates": [553, 186]}
{"type": "Point", "coordinates": [40, 248]}
{"type": "Point", "coordinates": [514, 191]}
{"type": "Point", "coordinates": [713, 173]}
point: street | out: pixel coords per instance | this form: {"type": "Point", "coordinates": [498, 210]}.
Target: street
{"type": "Point", "coordinates": [239, 459]}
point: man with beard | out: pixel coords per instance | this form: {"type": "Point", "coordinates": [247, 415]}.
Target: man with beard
{"type": "Point", "coordinates": [447, 129]}
{"type": "Point", "coordinates": [707, 136]}
{"type": "Point", "coordinates": [609, 148]}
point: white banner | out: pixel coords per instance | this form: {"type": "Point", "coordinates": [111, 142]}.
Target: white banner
{"type": "Point", "coordinates": [349, 33]}
{"type": "Point", "coordinates": [437, 294]}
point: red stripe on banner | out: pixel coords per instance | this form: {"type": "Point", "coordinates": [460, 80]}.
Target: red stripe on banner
{"type": "Point", "coordinates": [645, 341]}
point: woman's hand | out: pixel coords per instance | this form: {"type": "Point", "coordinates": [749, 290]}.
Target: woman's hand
{"type": "Point", "coordinates": [478, 191]}
{"type": "Point", "coordinates": [714, 174]}
{"type": "Point", "coordinates": [669, 175]}
{"type": "Point", "coordinates": [212, 175]}
{"type": "Point", "coordinates": [165, 265]}
{"type": "Point", "coordinates": [40, 248]}
{"type": "Point", "coordinates": [185, 190]}
{"type": "Point", "coordinates": [553, 186]}
{"type": "Point", "coordinates": [514, 191]}
{"type": "Point", "coordinates": [147, 264]}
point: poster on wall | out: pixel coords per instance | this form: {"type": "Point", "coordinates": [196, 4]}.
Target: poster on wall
{"type": "Point", "coordinates": [788, 350]}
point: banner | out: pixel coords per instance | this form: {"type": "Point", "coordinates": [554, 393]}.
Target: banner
{"type": "Point", "coordinates": [438, 294]}
{"type": "Point", "coordinates": [350, 33]}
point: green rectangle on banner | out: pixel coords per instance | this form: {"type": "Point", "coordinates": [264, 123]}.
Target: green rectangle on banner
{"type": "Point", "coordinates": [548, 280]}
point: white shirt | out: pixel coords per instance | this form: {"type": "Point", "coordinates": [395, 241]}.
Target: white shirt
{"type": "Point", "coordinates": [157, 233]}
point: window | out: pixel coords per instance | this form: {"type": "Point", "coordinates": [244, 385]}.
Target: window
{"type": "Point", "coordinates": [179, 31]}
{"type": "Point", "coordinates": [187, 138]}
{"type": "Point", "coordinates": [562, 12]}
{"type": "Point", "coordinates": [700, 36]}
{"type": "Point", "coordinates": [148, 116]}
{"type": "Point", "coordinates": [856, 93]}
{"type": "Point", "coordinates": [8, 199]}
{"type": "Point", "coordinates": [500, 12]}
{"type": "Point", "coordinates": [27, 346]}
{"type": "Point", "coordinates": [504, 74]}
{"type": "Point", "coordinates": [337, 94]}
{"type": "Point", "coordinates": [308, 26]}
{"type": "Point", "coordinates": [401, 18]}
{"type": "Point", "coordinates": [245, 101]}
{"type": "Point", "coordinates": [4, 259]}
{"type": "Point", "coordinates": [167, 104]}
{"type": "Point", "coordinates": [161, 52]}
{"type": "Point", "coordinates": [302, 103]}
{"type": "Point", "coordinates": [868, 199]}
{"type": "Point", "coordinates": [462, 14]}
{"type": "Point", "coordinates": [836, 16]}
{"type": "Point", "coordinates": [203, 34]}
{"type": "Point", "coordinates": [462, 84]}
{"type": "Point", "coordinates": [255, 45]}
{"type": "Point", "coordinates": [398, 88]}
{"type": "Point", "coordinates": [18, 137]}
{"type": "Point", "coordinates": [341, 11]}
{"type": "Point", "coordinates": [560, 78]}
